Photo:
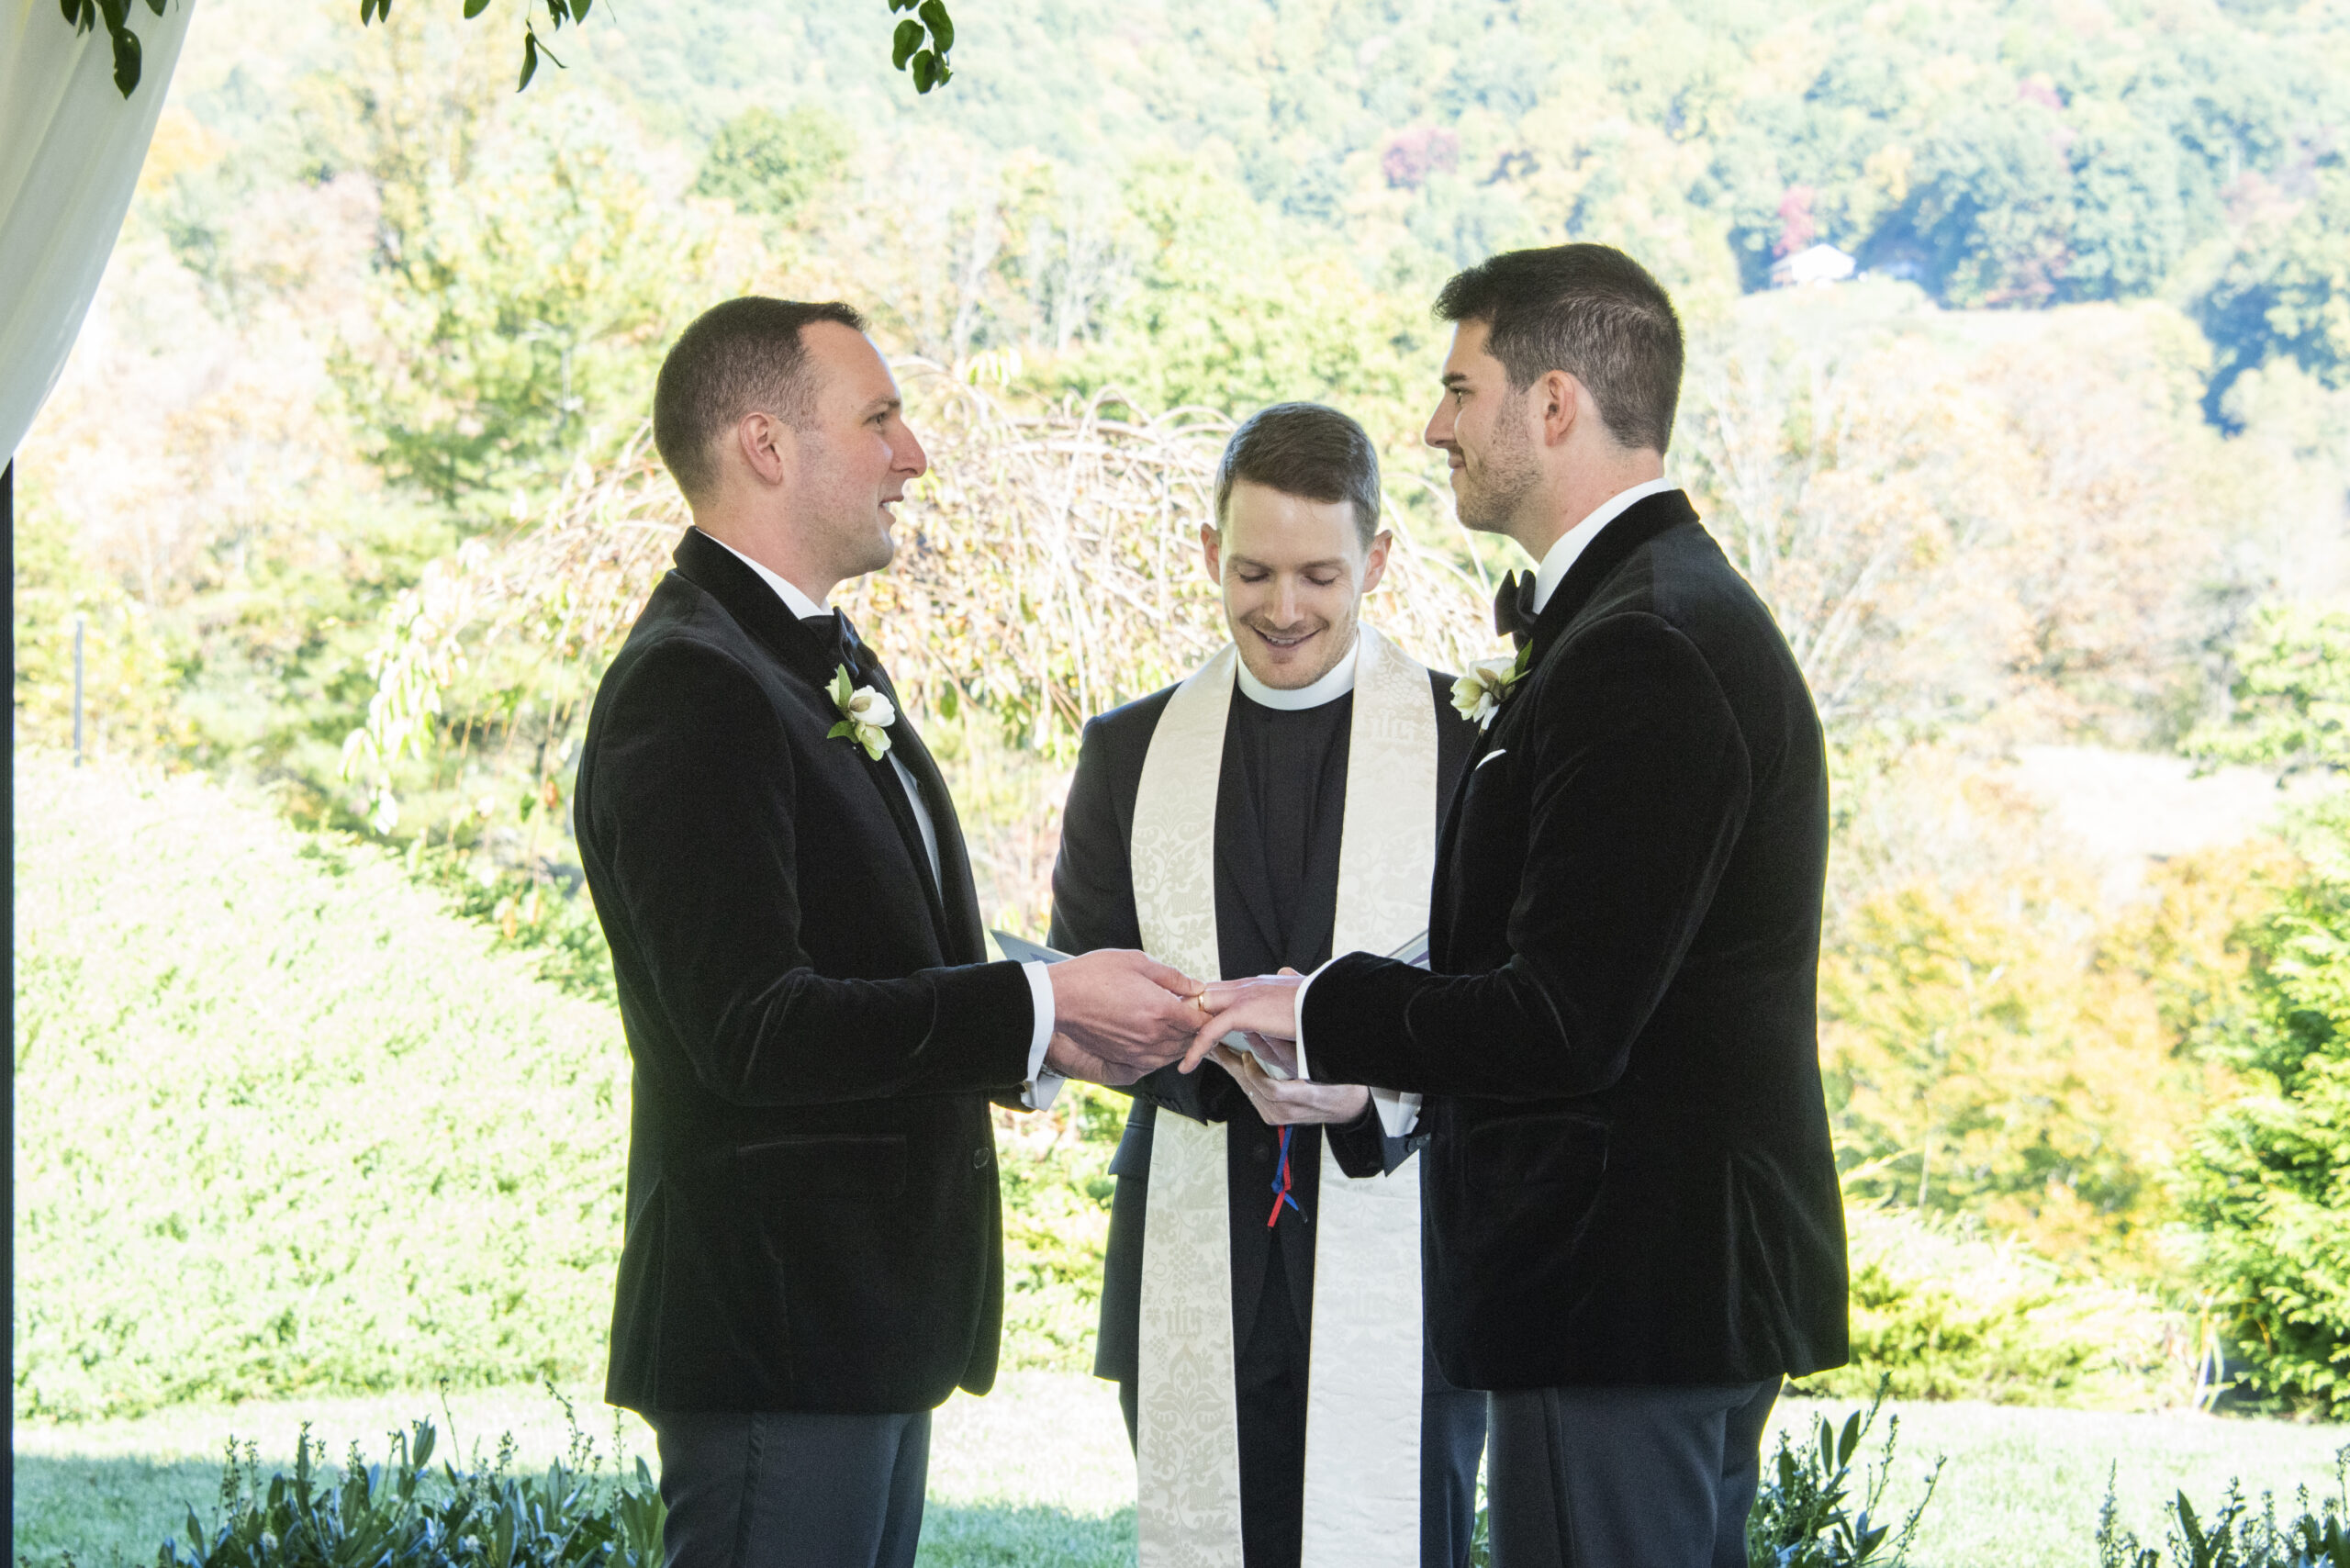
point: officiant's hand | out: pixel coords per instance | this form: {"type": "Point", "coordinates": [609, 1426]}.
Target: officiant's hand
{"type": "Point", "coordinates": [1265, 1006]}
{"type": "Point", "coordinates": [1124, 1010]}
{"type": "Point", "coordinates": [1290, 1102]}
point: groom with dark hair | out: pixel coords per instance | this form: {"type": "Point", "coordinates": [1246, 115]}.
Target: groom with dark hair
{"type": "Point", "coordinates": [1634, 1226]}
{"type": "Point", "coordinates": [813, 1258]}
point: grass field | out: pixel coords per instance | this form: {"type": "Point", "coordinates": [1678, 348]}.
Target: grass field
{"type": "Point", "coordinates": [1037, 1473]}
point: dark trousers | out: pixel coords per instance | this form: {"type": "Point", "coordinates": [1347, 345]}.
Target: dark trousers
{"type": "Point", "coordinates": [1269, 1381]}
{"type": "Point", "coordinates": [791, 1489]}
{"type": "Point", "coordinates": [1625, 1477]}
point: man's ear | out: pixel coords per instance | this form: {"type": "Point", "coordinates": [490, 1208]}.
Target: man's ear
{"type": "Point", "coordinates": [1559, 400]}
{"type": "Point", "coordinates": [1374, 565]}
{"type": "Point", "coordinates": [1212, 551]}
{"type": "Point", "coordinates": [765, 442]}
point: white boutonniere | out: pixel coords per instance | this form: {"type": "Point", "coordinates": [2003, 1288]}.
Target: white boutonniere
{"type": "Point", "coordinates": [1478, 695]}
{"type": "Point", "coordinates": [865, 715]}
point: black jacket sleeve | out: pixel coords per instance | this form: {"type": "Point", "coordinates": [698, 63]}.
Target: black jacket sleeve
{"type": "Point", "coordinates": [1629, 825]}
{"type": "Point", "coordinates": [693, 810]}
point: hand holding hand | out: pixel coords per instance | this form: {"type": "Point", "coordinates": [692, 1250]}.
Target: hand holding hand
{"type": "Point", "coordinates": [1124, 1010]}
{"type": "Point", "coordinates": [1070, 1059]}
{"type": "Point", "coordinates": [1265, 1007]}
{"type": "Point", "coordinates": [1291, 1102]}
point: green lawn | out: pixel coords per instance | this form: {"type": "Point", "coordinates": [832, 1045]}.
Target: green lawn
{"type": "Point", "coordinates": [1037, 1473]}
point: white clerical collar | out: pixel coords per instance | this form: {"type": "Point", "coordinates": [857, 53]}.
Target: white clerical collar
{"type": "Point", "coordinates": [799, 603]}
{"type": "Point", "coordinates": [1576, 540]}
{"type": "Point", "coordinates": [1329, 689]}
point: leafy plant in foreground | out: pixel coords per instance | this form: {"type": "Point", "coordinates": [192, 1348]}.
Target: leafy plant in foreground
{"type": "Point", "coordinates": [399, 1514]}
{"type": "Point", "coordinates": [2238, 1535]}
{"type": "Point", "coordinates": [1803, 1516]}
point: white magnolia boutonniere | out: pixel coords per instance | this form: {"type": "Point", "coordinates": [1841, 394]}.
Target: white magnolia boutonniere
{"type": "Point", "coordinates": [1478, 695]}
{"type": "Point", "coordinates": [865, 715]}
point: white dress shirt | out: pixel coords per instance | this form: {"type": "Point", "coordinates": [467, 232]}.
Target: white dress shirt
{"type": "Point", "coordinates": [1562, 554]}
{"type": "Point", "coordinates": [1041, 1086]}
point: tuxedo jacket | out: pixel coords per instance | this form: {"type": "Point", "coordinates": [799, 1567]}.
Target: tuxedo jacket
{"type": "Point", "coordinates": [1629, 1180]}
{"type": "Point", "coordinates": [813, 1212]}
{"type": "Point", "coordinates": [1093, 906]}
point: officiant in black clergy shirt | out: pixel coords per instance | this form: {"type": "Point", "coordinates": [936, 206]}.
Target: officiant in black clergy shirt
{"type": "Point", "coordinates": [1634, 1225]}
{"type": "Point", "coordinates": [812, 1258]}
{"type": "Point", "coordinates": [1294, 546]}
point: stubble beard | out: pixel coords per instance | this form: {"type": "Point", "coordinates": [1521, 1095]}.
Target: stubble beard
{"type": "Point", "coordinates": [1489, 494]}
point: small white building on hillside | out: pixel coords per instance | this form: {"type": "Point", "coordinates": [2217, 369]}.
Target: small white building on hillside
{"type": "Point", "coordinates": [1820, 264]}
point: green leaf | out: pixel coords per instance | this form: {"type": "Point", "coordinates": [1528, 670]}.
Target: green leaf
{"type": "Point", "coordinates": [842, 690]}
{"type": "Point", "coordinates": [843, 728]}
{"type": "Point", "coordinates": [126, 59]}
{"type": "Point", "coordinates": [474, 8]}
{"type": "Point", "coordinates": [925, 72]}
{"type": "Point", "coordinates": [81, 13]}
{"type": "Point", "coordinates": [529, 60]}
{"type": "Point", "coordinates": [903, 42]}
{"type": "Point", "coordinates": [942, 26]}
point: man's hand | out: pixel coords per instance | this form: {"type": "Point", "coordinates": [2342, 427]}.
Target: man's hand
{"type": "Point", "coordinates": [1266, 1006]}
{"type": "Point", "coordinates": [1124, 1010]}
{"type": "Point", "coordinates": [1290, 1102]}
{"type": "Point", "coordinates": [1065, 1056]}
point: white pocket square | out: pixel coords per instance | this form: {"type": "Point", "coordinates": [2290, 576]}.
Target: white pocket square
{"type": "Point", "coordinates": [1490, 757]}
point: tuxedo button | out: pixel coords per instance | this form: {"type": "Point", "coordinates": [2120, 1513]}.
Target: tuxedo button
{"type": "Point", "coordinates": [980, 1157]}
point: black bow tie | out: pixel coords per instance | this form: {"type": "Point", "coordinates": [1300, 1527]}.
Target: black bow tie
{"type": "Point", "coordinates": [838, 633]}
{"type": "Point", "coordinates": [1514, 607]}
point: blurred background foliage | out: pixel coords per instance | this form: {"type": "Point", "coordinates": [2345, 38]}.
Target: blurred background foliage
{"type": "Point", "coordinates": [348, 485]}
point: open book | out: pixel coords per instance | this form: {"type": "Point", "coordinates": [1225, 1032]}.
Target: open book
{"type": "Point", "coordinates": [1019, 950]}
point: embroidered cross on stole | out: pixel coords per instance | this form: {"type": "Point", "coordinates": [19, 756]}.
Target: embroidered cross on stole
{"type": "Point", "coordinates": [1362, 1424]}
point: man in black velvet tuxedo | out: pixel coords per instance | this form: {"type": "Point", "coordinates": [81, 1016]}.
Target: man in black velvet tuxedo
{"type": "Point", "coordinates": [1634, 1226]}
{"type": "Point", "coordinates": [813, 1258]}
{"type": "Point", "coordinates": [1295, 545]}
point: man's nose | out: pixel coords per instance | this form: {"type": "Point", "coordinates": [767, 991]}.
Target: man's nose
{"type": "Point", "coordinates": [913, 461]}
{"type": "Point", "coordinates": [1285, 602]}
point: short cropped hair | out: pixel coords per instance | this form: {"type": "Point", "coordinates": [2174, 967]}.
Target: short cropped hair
{"type": "Point", "coordinates": [742, 357]}
{"type": "Point", "coordinates": [1303, 449]}
{"type": "Point", "coordinates": [1590, 311]}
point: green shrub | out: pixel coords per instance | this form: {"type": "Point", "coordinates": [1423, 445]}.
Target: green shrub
{"type": "Point", "coordinates": [2238, 1535]}
{"type": "Point", "coordinates": [400, 1515]}
{"type": "Point", "coordinates": [284, 1125]}
{"type": "Point", "coordinates": [2266, 1183]}
{"type": "Point", "coordinates": [1941, 1312]}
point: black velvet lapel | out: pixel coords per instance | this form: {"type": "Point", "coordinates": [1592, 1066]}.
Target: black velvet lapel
{"type": "Point", "coordinates": [1641, 522]}
{"type": "Point", "coordinates": [760, 611]}
{"type": "Point", "coordinates": [956, 902]}
{"type": "Point", "coordinates": [720, 573]}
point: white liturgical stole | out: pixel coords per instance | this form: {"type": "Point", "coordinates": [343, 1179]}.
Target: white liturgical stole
{"type": "Point", "coordinates": [1362, 1421]}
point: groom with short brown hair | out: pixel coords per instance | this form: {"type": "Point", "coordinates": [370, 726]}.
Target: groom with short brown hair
{"type": "Point", "coordinates": [1634, 1226]}
{"type": "Point", "coordinates": [813, 1256]}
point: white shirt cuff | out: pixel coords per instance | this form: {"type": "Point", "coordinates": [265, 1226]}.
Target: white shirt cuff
{"type": "Point", "coordinates": [1399, 1111]}
{"type": "Point", "coordinates": [1041, 1086]}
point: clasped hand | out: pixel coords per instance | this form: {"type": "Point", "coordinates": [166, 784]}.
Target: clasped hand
{"type": "Point", "coordinates": [1118, 1013]}
{"type": "Point", "coordinates": [1264, 1009]}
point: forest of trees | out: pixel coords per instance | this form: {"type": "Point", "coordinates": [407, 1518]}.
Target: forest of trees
{"type": "Point", "coordinates": [348, 484]}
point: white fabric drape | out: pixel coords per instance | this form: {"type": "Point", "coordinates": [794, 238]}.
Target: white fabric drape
{"type": "Point", "coordinates": [70, 147]}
